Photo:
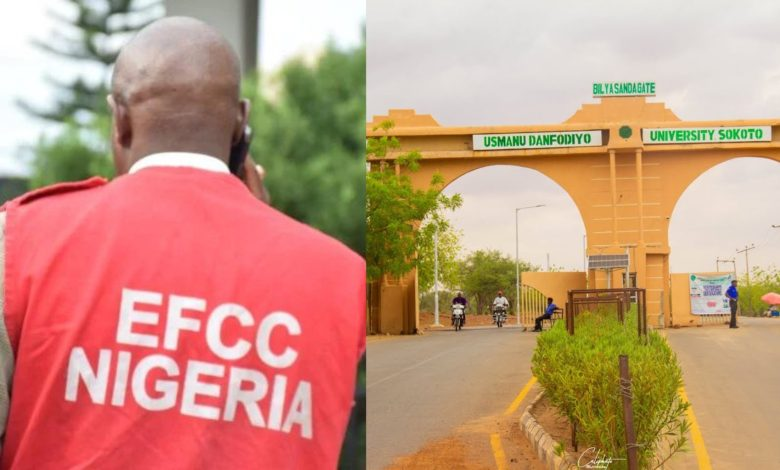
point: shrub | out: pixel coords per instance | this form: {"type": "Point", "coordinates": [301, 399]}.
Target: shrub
{"type": "Point", "coordinates": [580, 376]}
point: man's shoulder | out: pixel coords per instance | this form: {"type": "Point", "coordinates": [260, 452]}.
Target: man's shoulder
{"type": "Point", "coordinates": [54, 192]}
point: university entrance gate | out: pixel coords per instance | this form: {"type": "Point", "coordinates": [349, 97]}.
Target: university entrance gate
{"type": "Point", "coordinates": [624, 162]}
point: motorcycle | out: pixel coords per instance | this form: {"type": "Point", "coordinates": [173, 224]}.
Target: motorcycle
{"type": "Point", "coordinates": [499, 315]}
{"type": "Point", "coordinates": [458, 310]}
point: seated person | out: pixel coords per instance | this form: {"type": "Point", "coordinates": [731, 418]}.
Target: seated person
{"type": "Point", "coordinates": [548, 312]}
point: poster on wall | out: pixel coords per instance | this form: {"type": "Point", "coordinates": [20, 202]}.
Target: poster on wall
{"type": "Point", "coordinates": [708, 294]}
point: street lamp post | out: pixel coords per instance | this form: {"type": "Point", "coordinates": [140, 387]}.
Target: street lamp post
{"type": "Point", "coordinates": [517, 261]}
{"type": "Point", "coordinates": [436, 277]}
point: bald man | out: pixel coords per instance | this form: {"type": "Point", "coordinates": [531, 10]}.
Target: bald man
{"type": "Point", "coordinates": [169, 319]}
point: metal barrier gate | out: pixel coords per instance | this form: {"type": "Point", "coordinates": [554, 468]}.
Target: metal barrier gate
{"type": "Point", "coordinates": [532, 304]}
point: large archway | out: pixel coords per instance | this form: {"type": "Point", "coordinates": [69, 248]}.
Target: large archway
{"type": "Point", "coordinates": [625, 162]}
{"type": "Point", "coordinates": [719, 213]}
{"type": "Point", "coordinates": [491, 194]}
{"type": "Point", "coordinates": [501, 212]}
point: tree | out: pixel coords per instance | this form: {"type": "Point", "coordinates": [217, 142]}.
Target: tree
{"type": "Point", "coordinates": [73, 154]}
{"type": "Point", "coordinates": [310, 138]}
{"type": "Point", "coordinates": [395, 209]}
{"type": "Point", "coordinates": [93, 33]}
{"type": "Point", "coordinates": [485, 272]}
{"type": "Point", "coordinates": [449, 252]}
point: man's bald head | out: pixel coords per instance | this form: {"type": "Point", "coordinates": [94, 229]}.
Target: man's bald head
{"type": "Point", "coordinates": [176, 88]}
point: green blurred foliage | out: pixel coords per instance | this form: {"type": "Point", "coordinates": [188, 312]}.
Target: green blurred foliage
{"type": "Point", "coordinates": [11, 187]}
{"type": "Point", "coordinates": [762, 281]}
{"type": "Point", "coordinates": [309, 136]}
{"type": "Point", "coordinates": [449, 269]}
{"type": "Point", "coordinates": [445, 298]}
{"type": "Point", "coordinates": [485, 272]}
{"type": "Point", "coordinates": [74, 153]}
{"type": "Point", "coordinates": [580, 377]}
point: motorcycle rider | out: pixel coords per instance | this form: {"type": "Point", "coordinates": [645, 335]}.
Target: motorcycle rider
{"type": "Point", "coordinates": [500, 301]}
{"type": "Point", "coordinates": [459, 299]}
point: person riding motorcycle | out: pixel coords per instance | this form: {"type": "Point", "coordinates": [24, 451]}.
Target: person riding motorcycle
{"type": "Point", "coordinates": [459, 299]}
{"type": "Point", "coordinates": [500, 301]}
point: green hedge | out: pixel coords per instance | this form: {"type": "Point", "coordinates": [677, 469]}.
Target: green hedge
{"type": "Point", "coordinates": [580, 377]}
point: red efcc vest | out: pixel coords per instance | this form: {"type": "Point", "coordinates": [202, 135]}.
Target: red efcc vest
{"type": "Point", "coordinates": [170, 320]}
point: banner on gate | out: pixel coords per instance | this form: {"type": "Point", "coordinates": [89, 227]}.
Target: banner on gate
{"type": "Point", "coordinates": [708, 294]}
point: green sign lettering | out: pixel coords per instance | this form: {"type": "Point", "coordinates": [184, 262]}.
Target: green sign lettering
{"type": "Point", "coordinates": [610, 89]}
{"type": "Point", "coordinates": [701, 135]}
{"type": "Point", "coordinates": [532, 140]}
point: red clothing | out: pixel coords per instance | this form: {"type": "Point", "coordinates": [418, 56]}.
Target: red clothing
{"type": "Point", "coordinates": [170, 320]}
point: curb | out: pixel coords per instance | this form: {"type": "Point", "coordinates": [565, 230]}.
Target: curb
{"type": "Point", "coordinates": [542, 442]}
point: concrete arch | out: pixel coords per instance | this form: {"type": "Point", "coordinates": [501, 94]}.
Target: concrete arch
{"type": "Point", "coordinates": [524, 165]}
{"type": "Point", "coordinates": [724, 193]}
{"type": "Point", "coordinates": [555, 170]}
{"type": "Point", "coordinates": [711, 164]}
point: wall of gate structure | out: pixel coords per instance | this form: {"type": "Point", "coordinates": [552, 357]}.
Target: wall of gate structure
{"type": "Point", "coordinates": [393, 307]}
{"type": "Point", "coordinates": [624, 161]}
{"type": "Point", "coordinates": [537, 286]}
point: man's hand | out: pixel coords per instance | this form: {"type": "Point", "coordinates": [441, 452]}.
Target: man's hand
{"type": "Point", "coordinates": [253, 175]}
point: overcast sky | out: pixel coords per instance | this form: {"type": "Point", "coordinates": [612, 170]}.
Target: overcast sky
{"type": "Point", "coordinates": [509, 62]}
{"type": "Point", "coordinates": [289, 28]}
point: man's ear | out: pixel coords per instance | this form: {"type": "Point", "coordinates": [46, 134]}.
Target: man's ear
{"type": "Point", "coordinates": [242, 118]}
{"type": "Point", "coordinates": [121, 134]}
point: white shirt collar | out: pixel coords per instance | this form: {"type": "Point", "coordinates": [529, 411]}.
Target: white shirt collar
{"type": "Point", "coordinates": [181, 159]}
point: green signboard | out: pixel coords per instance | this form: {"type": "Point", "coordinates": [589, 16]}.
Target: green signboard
{"type": "Point", "coordinates": [608, 89]}
{"type": "Point", "coordinates": [706, 135]}
{"type": "Point", "coordinates": [537, 140]}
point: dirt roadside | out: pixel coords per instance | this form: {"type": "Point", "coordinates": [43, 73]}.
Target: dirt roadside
{"type": "Point", "coordinates": [469, 446]}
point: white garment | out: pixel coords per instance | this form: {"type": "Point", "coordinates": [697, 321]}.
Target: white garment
{"type": "Point", "coordinates": [180, 159]}
{"type": "Point", "coordinates": [498, 301]}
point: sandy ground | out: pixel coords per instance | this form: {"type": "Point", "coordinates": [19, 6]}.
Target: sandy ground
{"type": "Point", "coordinates": [469, 448]}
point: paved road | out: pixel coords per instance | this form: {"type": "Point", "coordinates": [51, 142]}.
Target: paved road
{"type": "Point", "coordinates": [422, 387]}
{"type": "Point", "coordinates": [733, 381]}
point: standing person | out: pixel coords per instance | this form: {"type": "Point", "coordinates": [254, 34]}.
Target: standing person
{"type": "Point", "coordinates": [548, 313]}
{"type": "Point", "coordinates": [733, 297]}
{"type": "Point", "coordinates": [460, 300]}
{"type": "Point", "coordinates": [169, 319]}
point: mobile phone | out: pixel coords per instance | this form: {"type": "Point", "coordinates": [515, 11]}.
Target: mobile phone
{"type": "Point", "coordinates": [239, 151]}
